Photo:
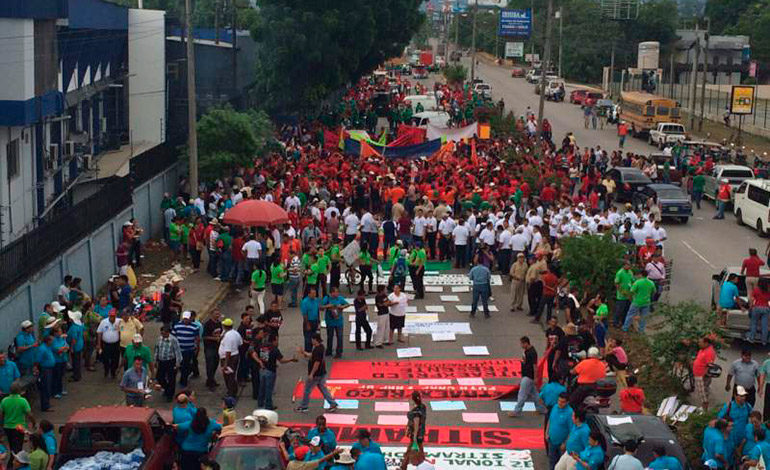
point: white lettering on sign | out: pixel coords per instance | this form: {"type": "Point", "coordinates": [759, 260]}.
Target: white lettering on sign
{"type": "Point", "coordinates": [459, 458]}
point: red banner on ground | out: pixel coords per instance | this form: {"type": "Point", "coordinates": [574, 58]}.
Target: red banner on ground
{"type": "Point", "coordinates": [430, 369]}
{"type": "Point", "coordinates": [403, 392]}
{"type": "Point", "coordinates": [457, 436]}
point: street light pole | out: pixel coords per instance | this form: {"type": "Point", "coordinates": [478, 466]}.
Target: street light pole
{"type": "Point", "coordinates": [192, 141]}
{"type": "Point", "coordinates": [473, 43]}
{"type": "Point", "coordinates": [560, 14]}
{"type": "Point", "coordinates": [531, 40]}
{"type": "Point", "coordinates": [544, 68]}
{"type": "Point", "coordinates": [705, 72]}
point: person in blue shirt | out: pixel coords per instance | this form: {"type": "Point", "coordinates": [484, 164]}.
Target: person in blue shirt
{"type": "Point", "coordinates": [755, 422]}
{"type": "Point", "coordinates": [728, 293]}
{"type": "Point", "coordinates": [328, 439]}
{"type": "Point", "coordinates": [552, 390]}
{"type": "Point", "coordinates": [365, 443]}
{"type": "Point", "coordinates": [714, 443]}
{"type": "Point", "coordinates": [26, 347]}
{"type": "Point", "coordinates": [738, 410]}
{"type": "Point", "coordinates": [592, 456]}
{"type": "Point", "coordinates": [577, 440]}
{"type": "Point", "coordinates": [104, 307]}
{"type": "Point", "coordinates": [316, 453]}
{"type": "Point", "coordinates": [46, 363]}
{"type": "Point", "coordinates": [334, 303]}
{"type": "Point", "coordinates": [76, 343]}
{"type": "Point", "coordinates": [49, 438]}
{"type": "Point", "coordinates": [183, 412]}
{"type": "Point", "coordinates": [558, 428]}
{"type": "Point", "coordinates": [663, 461]}
{"type": "Point", "coordinates": [373, 460]}
{"type": "Point", "coordinates": [200, 431]}
{"type": "Point", "coordinates": [310, 308]}
{"type": "Point", "coordinates": [8, 373]}
{"type": "Point", "coordinates": [60, 353]}
{"type": "Point", "coordinates": [762, 449]}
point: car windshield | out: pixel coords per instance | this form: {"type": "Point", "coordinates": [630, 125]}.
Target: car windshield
{"type": "Point", "coordinates": [737, 174]}
{"type": "Point", "coordinates": [107, 438]}
{"type": "Point", "coordinates": [633, 176]}
{"type": "Point", "coordinates": [670, 194]}
{"type": "Point", "coordinates": [249, 458]}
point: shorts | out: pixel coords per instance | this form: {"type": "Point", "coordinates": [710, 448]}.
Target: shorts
{"type": "Point", "coordinates": [700, 390]}
{"type": "Point", "coordinates": [174, 245]}
{"type": "Point", "coordinates": [277, 289]}
{"type": "Point", "coordinates": [397, 322]}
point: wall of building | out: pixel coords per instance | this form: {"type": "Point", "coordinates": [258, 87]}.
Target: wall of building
{"type": "Point", "coordinates": [17, 194]}
{"type": "Point", "coordinates": [17, 54]}
{"type": "Point", "coordinates": [147, 80]}
{"type": "Point", "coordinates": [92, 259]}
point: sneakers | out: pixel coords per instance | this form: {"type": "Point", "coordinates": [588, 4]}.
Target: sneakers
{"type": "Point", "coordinates": [333, 409]}
{"type": "Point", "coordinates": [57, 396]}
{"type": "Point", "coordinates": [302, 409]}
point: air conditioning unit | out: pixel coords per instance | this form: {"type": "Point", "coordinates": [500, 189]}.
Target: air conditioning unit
{"type": "Point", "coordinates": [103, 124]}
{"type": "Point", "coordinates": [88, 161]}
{"type": "Point", "coordinates": [69, 148]}
{"type": "Point", "coordinates": [52, 159]}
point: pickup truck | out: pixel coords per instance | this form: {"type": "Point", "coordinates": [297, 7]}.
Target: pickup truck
{"type": "Point", "coordinates": [667, 133]}
{"type": "Point", "coordinates": [734, 174]}
{"type": "Point", "coordinates": [118, 429]}
{"type": "Point", "coordinates": [737, 321]}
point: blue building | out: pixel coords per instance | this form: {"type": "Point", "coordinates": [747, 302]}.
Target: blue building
{"type": "Point", "coordinates": [82, 90]}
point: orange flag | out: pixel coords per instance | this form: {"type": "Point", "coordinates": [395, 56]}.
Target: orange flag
{"type": "Point", "coordinates": [474, 155]}
{"type": "Point", "coordinates": [367, 150]}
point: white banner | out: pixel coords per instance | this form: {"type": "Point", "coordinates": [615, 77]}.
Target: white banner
{"type": "Point", "coordinates": [459, 458]}
{"type": "Point", "coordinates": [418, 328]}
{"type": "Point", "coordinates": [514, 49]}
{"type": "Point", "coordinates": [452, 133]}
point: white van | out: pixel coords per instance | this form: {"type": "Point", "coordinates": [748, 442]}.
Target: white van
{"type": "Point", "coordinates": [428, 102]}
{"type": "Point", "coordinates": [437, 118]}
{"type": "Point", "coordinates": [751, 205]}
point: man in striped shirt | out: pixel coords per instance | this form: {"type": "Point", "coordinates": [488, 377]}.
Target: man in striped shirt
{"type": "Point", "coordinates": [186, 332]}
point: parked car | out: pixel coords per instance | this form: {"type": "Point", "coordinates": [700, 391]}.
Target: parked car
{"type": "Point", "coordinates": [647, 431]}
{"type": "Point", "coordinates": [737, 321]}
{"type": "Point", "coordinates": [666, 134]}
{"type": "Point", "coordinates": [484, 90]}
{"type": "Point", "coordinates": [673, 201]}
{"type": "Point", "coordinates": [518, 72]}
{"type": "Point", "coordinates": [628, 181]}
{"type": "Point", "coordinates": [674, 175]}
{"type": "Point", "coordinates": [118, 429]}
{"type": "Point", "coordinates": [428, 102]}
{"type": "Point", "coordinates": [734, 174]}
{"type": "Point", "coordinates": [258, 451]}
{"type": "Point", "coordinates": [437, 118]}
{"type": "Point", "coordinates": [577, 96]}
{"type": "Point", "coordinates": [751, 205]}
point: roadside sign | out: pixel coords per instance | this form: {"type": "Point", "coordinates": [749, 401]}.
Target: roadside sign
{"type": "Point", "coordinates": [532, 58]}
{"type": "Point", "coordinates": [514, 49]}
{"type": "Point", "coordinates": [742, 99]}
{"type": "Point", "coordinates": [515, 23]}
{"type": "Point", "coordinates": [753, 68]}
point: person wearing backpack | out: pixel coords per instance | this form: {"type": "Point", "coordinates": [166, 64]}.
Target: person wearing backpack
{"type": "Point", "coordinates": [398, 272]}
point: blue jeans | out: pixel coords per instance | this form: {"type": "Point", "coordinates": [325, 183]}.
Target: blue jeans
{"type": "Point", "coordinates": [619, 314]}
{"type": "Point", "coordinates": [720, 209]}
{"type": "Point", "coordinates": [554, 454]}
{"type": "Point", "coordinates": [312, 383]}
{"type": "Point", "coordinates": [225, 264]}
{"type": "Point", "coordinates": [266, 386]}
{"type": "Point", "coordinates": [483, 292]}
{"type": "Point", "coordinates": [635, 310]}
{"type": "Point", "coordinates": [309, 334]}
{"type": "Point", "coordinates": [697, 196]}
{"type": "Point", "coordinates": [528, 392]}
{"type": "Point", "coordinates": [293, 287]}
{"type": "Point", "coordinates": [759, 315]}
{"type": "Point", "coordinates": [212, 267]}
{"type": "Point", "coordinates": [331, 331]}
{"type": "Point", "coordinates": [46, 387]}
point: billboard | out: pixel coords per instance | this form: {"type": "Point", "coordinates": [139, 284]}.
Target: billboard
{"type": "Point", "coordinates": [648, 55]}
{"type": "Point", "coordinates": [515, 23]}
{"type": "Point", "coordinates": [742, 99]}
{"type": "Point", "coordinates": [514, 49]}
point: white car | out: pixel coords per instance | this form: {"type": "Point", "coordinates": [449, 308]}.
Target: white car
{"type": "Point", "coordinates": [667, 133]}
{"type": "Point", "coordinates": [437, 118]}
{"type": "Point", "coordinates": [734, 174]}
{"type": "Point", "coordinates": [751, 205]}
{"type": "Point", "coordinates": [483, 89]}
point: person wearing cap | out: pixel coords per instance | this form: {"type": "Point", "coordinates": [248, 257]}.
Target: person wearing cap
{"type": "Point", "coordinates": [20, 461]}
{"type": "Point", "coordinates": [589, 371]}
{"type": "Point", "coordinates": [723, 196]}
{"type": "Point", "coordinates": [138, 350]}
{"type": "Point", "coordinates": [188, 335]}
{"type": "Point", "coordinates": [229, 349]}
{"type": "Point", "coordinates": [738, 410]}
{"type": "Point", "coordinates": [76, 341]}
{"type": "Point", "coordinates": [108, 343]}
{"type": "Point", "coordinates": [746, 373]}
{"type": "Point", "coordinates": [169, 357]}
{"type": "Point", "coordinates": [316, 453]}
{"type": "Point", "coordinates": [51, 310]}
{"type": "Point", "coordinates": [135, 383]}
{"type": "Point", "coordinates": [26, 347]}
{"type": "Point", "coordinates": [518, 273]}
{"type": "Point", "coordinates": [344, 461]}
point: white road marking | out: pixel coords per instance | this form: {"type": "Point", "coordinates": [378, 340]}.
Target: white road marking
{"type": "Point", "coordinates": [698, 254]}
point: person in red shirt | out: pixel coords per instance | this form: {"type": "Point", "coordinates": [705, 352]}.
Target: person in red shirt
{"type": "Point", "coordinates": [632, 397]}
{"type": "Point", "coordinates": [706, 355]}
{"type": "Point", "coordinates": [550, 284]}
{"type": "Point", "coordinates": [548, 195]}
{"type": "Point", "coordinates": [760, 309]}
{"type": "Point", "coordinates": [750, 269]}
{"type": "Point", "coordinates": [239, 259]}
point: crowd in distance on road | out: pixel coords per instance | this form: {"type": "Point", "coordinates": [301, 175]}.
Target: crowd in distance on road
{"type": "Point", "coordinates": [477, 206]}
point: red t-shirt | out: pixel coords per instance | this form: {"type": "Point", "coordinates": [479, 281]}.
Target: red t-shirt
{"type": "Point", "coordinates": [632, 400]}
{"type": "Point", "coordinates": [550, 283]}
{"type": "Point", "coordinates": [547, 194]}
{"type": "Point", "coordinates": [752, 265]}
{"type": "Point", "coordinates": [761, 298]}
{"type": "Point", "coordinates": [702, 360]}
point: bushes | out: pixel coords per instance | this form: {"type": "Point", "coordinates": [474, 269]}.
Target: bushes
{"type": "Point", "coordinates": [455, 74]}
{"type": "Point", "coordinates": [591, 261]}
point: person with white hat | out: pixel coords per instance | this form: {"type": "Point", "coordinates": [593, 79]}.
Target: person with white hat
{"type": "Point", "coordinates": [188, 335]}
{"type": "Point", "coordinates": [26, 347]}
{"type": "Point", "coordinates": [344, 461]}
{"type": "Point", "coordinates": [75, 339]}
{"type": "Point", "coordinates": [316, 452]}
{"type": "Point", "coordinates": [51, 310]}
{"type": "Point", "coordinates": [312, 464]}
{"type": "Point", "coordinates": [138, 350]}
{"type": "Point", "coordinates": [589, 371]}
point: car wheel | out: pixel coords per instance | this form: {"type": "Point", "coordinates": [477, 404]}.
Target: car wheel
{"type": "Point", "coordinates": [649, 140]}
{"type": "Point", "coordinates": [760, 229]}
{"type": "Point", "coordinates": [684, 219]}
{"type": "Point", "coordinates": [739, 217]}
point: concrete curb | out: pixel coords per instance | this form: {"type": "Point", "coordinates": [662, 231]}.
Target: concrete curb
{"type": "Point", "coordinates": [219, 295]}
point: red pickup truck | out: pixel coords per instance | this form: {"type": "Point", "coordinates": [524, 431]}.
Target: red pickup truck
{"type": "Point", "coordinates": [118, 429]}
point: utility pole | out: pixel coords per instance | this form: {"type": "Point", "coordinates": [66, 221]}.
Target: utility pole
{"type": "Point", "coordinates": [192, 139]}
{"type": "Point", "coordinates": [235, 47]}
{"type": "Point", "coordinates": [546, 62]}
{"type": "Point", "coordinates": [216, 21]}
{"type": "Point", "coordinates": [612, 69]}
{"type": "Point", "coordinates": [473, 43]}
{"type": "Point", "coordinates": [694, 78]}
{"type": "Point", "coordinates": [671, 77]}
{"type": "Point", "coordinates": [705, 72]}
{"type": "Point", "coordinates": [560, 14]}
{"type": "Point", "coordinates": [531, 40]}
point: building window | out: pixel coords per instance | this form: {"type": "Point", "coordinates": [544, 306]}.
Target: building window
{"type": "Point", "coordinates": [12, 157]}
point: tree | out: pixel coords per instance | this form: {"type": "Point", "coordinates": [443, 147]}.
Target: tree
{"type": "Point", "coordinates": [725, 13]}
{"type": "Point", "coordinates": [455, 74]}
{"type": "Point", "coordinates": [227, 139]}
{"type": "Point", "coordinates": [755, 23]}
{"type": "Point", "coordinates": [591, 261]}
{"type": "Point", "coordinates": [311, 48]}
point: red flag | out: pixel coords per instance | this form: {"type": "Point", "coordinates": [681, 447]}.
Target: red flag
{"type": "Point", "coordinates": [367, 150]}
{"type": "Point", "coordinates": [474, 155]}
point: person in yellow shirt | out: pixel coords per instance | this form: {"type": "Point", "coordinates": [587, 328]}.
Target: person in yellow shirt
{"type": "Point", "coordinates": [129, 326]}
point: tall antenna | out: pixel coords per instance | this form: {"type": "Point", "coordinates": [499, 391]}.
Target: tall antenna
{"type": "Point", "coordinates": [620, 10]}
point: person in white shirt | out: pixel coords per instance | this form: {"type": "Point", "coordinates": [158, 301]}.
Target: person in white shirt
{"type": "Point", "coordinates": [659, 234]}
{"type": "Point", "coordinates": [487, 236]}
{"type": "Point", "coordinates": [534, 218]}
{"type": "Point", "coordinates": [537, 237]}
{"type": "Point", "coordinates": [351, 227]}
{"type": "Point", "coordinates": [236, 196]}
{"type": "Point", "coordinates": [419, 225]}
{"type": "Point", "coordinates": [431, 228]}
{"type": "Point", "coordinates": [292, 201]}
{"type": "Point", "coordinates": [397, 302]}
{"type": "Point", "coordinates": [639, 234]}
{"type": "Point", "coordinates": [446, 229]}
{"type": "Point", "coordinates": [460, 234]}
{"type": "Point", "coordinates": [518, 242]}
{"type": "Point", "coordinates": [504, 248]}
{"type": "Point", "coordinates": [200, 204]}
{"type": "Point", "coordinates": [332, 209]}
{"type": "Point", "coordinates": [253, 249]}
{"type": "Point", "coordinates": [228, 355]}
{"type": "Point", "coordinates": [108, 342]}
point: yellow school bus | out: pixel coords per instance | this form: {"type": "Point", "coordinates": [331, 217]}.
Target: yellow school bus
{"type": "Point", "coordinates": [643, 111]}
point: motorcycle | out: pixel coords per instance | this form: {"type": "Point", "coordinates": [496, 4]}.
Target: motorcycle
{"type": "Point", "coordinates": [595, 397]}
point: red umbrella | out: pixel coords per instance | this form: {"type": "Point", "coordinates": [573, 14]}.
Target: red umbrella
{"type": "Point", "coordinates": [254, 213]}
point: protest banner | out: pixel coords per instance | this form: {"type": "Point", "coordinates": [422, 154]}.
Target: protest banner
{"type": "Point", "coordinates": [427, 369]}
{"type": "Point", "coordinates": [403, 391]}
{"type": "Point", "coordinates": [459, 458]}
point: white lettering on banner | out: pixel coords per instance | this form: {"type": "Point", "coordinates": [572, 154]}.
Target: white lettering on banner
{"type": "Point", "coordinates": [445, 280]}
{"type": "Point", "coordinates": [458, 328]}
{"type": "Point", "coordinates": [459, 458]}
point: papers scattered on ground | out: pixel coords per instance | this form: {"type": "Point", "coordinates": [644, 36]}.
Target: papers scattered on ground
{"type": "Point", "coordinates": [450, 298]}
{"type": "Point", "coordinates": [443, 337]}
{"type": "Point", "coordinates": [405, 353]}
{"type": "Point", "coordinates": [476, 350]}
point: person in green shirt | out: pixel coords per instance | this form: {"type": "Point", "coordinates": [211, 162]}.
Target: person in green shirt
{"type": "Point", "coordinates": [642, 290]}
{"type": "Point", "coordinates": [334, 270]}
{"type": "Point", "coordinates": [698, 182]}
{"type": "Point", "coordinates": [623, 280]}
{"type": "Point", "coordinates": [257, 291]}
{"type": "Point", "coordinates": [224, 242]}
{"type": "Point", "coordinates": [312, 273]}
{"type": "Point", "coordinates": [277, 278]}
{"type": "Point", "coordinates": [417, 258]}
{"type": "Point", "coordinates": [138, 350]}
{"type": "Point", "coordinates": [393, 253]}
{"type": "Point", "coordinates": [365, 266]}
{"type": "Point", "coordinates": [186, 226]}
{"type": "Point", "coordinates": [324, 264]}
{"type": "Point", "coordinates": [16, 413]}
{"type": "Point", "coordinates": [38, 458]}
{"type": "Point", "coordinates": [174, 236]}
